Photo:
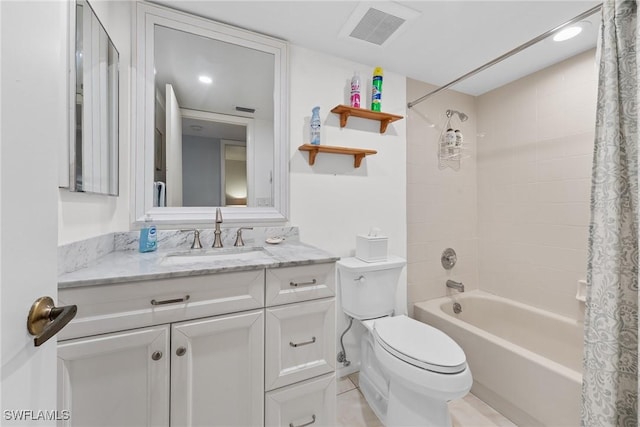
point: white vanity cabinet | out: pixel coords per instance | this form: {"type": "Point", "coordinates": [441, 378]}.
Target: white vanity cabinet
{"type": "Point", "coordinates": [118, 379]}
{"type": "Point", "coordinates": [300, 355]}
{"type": "Point", "coordinates": [195, 351]}
{"type": "Point", "coordinates": [217, 371]}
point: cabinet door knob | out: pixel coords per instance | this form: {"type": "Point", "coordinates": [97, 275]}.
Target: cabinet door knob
{"type": "Point", "coordinates": [157, 355]}
{"type": "Point", "coordinates": [181, 351]}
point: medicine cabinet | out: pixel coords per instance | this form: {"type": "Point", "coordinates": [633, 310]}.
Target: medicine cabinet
{"type": "Point", "coordinates": [94, 63]}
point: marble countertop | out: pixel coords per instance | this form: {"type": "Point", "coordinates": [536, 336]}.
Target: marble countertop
{"type": "Point", "coordinates": [130, 266]}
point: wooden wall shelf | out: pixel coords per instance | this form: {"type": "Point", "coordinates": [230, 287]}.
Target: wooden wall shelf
{"type": "Point", "coordinates": [345, 112]}
{"type": "Point", "coordinates": [357, 153]}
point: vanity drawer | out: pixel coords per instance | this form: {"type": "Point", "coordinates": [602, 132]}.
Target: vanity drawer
{"type": "Point", "coordinates": [310, 403]}
{"type": "Point", "coordinates": [116, 307]}
{"type": "Point", "coordinates": [294, 284]}
{"type": "Point", "coordinates": [299, 342]}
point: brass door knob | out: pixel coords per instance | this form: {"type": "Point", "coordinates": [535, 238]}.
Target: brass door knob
{"type": "Point", "coordinates": [45, 319]}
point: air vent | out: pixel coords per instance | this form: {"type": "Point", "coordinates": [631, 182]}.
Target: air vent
{"type": "Point", "coordinates": [376, 26]}
{"type": "Point", "coordinates": [377, 22]}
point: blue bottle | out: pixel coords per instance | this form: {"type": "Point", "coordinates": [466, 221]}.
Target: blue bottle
{"type": "Point", "coordinates": [148, 236]}
{"type": "Point", "coordinates": [315, 126]}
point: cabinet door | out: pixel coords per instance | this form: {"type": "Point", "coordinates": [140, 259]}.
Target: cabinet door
{"type": "Point", "coordinates": [309, 403]}
{"type": "Point", "coordinates": [119, 379]}
{"type": "Point", "coordinates": [217, 371]}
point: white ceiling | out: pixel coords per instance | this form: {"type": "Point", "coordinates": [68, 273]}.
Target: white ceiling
{"type": "Point", "coordinates": [448, 38]}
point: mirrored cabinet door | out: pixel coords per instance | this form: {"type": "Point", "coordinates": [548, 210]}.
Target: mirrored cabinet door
{"type": "Point", "coordinates": [94, 123]}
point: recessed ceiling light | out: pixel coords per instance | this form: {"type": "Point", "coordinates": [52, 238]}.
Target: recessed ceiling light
{"type": "Point", "coordinates": [567, 33]}
{"type": "Point", "coordinates": [205, 79]}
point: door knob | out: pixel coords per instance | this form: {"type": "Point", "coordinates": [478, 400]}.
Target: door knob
{"type": "Point", "coordinates": [45, 320]}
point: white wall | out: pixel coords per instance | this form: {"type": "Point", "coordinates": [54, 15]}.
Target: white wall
{"type": "Point", "coordinates": [331, 201]}
{"type": "Point", "coordinates": [81, 215]}
{"type": "Point", "coordinates": [534, 169]}
{"type": "Point", "coordinates": [441, 203]}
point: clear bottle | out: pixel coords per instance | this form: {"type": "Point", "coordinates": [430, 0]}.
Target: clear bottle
{"type": "Point", "coordinates": [459, 138]}
{"type": "Point", "coordinates": [148, 236]}
{"type": "Point", "coordinates": [315, 126]}
{"type": "Point", "coordinates": [355, 90]}
{"type": "Point", "coordinates": [450, 138]}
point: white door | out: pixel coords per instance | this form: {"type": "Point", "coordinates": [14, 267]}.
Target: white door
{"type": "Point", "coordinates": [34, 124]}
{"type": "Point", "coordinates": [217, 371]}
{"type": "Point", "coordinates": [119, 379]}
{"type": "Point", "coordinates": [174, 149]}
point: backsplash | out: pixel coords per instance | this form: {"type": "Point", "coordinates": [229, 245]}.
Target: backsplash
{"type": "Point", "coordinates": [77, 255]}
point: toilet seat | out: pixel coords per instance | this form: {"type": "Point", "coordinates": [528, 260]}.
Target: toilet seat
{"type": "Point", "coordinates": [419, 344]}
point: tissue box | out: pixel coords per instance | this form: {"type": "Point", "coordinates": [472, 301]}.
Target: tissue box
{"type": "Point", "coordinates": [371, 248]}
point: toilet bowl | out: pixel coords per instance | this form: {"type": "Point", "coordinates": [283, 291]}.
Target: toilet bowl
{"type": "Point", "coordinates": [409, 370]}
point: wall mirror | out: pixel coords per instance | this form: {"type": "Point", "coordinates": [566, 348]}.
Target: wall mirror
{"type": "Point", "coordinates": [93, 149]}
{"type": "Point", "coordinates": [211, 121]}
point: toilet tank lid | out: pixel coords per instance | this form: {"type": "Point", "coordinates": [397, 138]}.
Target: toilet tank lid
{"type": "Point", "coordinates": [356, 264]}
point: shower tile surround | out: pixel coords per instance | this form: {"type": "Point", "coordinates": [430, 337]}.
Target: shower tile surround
{"type": "Point", "coordinates": [441, 204]}
{"type": "Point", "coordinates": [517, 212]}
{"type": "Point", "coordinates": [534, 169]}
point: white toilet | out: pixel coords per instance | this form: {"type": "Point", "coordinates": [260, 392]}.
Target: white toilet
{"type": "Point", "coordinates": [409, 370]}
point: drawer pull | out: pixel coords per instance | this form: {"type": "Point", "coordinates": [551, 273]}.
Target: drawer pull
{"type": "Point", "coordinates": [295, 284]}
{"type": "Point", "coordinates": [170, 301]}
{"type": "Point", "coordinates": [300, 344]}
{"type": "Point", "coordinates": [313, 420]}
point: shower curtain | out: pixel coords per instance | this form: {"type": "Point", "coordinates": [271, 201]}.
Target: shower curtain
{"type": "Point", "coordinates": [610, 379]}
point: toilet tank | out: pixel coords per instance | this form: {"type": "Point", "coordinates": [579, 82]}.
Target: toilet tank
{"type": "Point", "coordinates": [368, 289]}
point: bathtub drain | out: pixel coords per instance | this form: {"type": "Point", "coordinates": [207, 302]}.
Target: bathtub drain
{"type": "Point", "coordinates": [457, 308]}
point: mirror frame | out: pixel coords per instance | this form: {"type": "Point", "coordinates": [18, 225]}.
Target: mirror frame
{"type": "Point", "coordinates": [142, 147]}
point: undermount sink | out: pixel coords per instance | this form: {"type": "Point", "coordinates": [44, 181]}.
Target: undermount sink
{"type": "Point", "coordinates": [212, 255]}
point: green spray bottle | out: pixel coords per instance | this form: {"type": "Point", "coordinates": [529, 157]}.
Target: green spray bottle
{"type": "Point", "coordinates": [376, 89]}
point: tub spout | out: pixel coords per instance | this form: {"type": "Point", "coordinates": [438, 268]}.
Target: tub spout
{"type": "Point", "coordinates": [455, 285]}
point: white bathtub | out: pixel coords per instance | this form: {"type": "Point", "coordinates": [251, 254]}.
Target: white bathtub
{"type": "Point", "coordinates": [525, 362]}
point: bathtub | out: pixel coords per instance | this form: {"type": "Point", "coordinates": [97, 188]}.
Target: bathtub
{"type": "Point", "coordinates": [525, 362]}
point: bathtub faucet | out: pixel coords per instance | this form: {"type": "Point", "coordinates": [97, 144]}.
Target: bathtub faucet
{"type": "Point", "coordinates": [455, 285]}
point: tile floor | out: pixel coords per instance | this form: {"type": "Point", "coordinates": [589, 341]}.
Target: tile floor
{"type": "Point", "coordinates": [469, 411]}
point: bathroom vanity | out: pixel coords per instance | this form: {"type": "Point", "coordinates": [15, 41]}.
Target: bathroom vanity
{"type": "Point", "coordinates": [214, 341]}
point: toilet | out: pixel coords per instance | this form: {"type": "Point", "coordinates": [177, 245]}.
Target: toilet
{"type": "Point", "coordinates": [409, 370]}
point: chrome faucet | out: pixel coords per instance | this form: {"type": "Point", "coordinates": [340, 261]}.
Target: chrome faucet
{"type": "Point", "coordinates": [217, 240]}
{"type": "Point", "coordinates": [239, 241]}
{"type": "Point", "coordinates": [455, 285]}
{"type": "Point", "coordinates": [196, 238]}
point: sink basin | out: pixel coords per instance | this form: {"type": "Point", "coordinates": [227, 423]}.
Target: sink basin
{"type": "Point", "coordinates": [213, 255]}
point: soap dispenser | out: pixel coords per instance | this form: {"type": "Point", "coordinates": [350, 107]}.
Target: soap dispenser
{"type": "Point", "coordinates": [148, 236]}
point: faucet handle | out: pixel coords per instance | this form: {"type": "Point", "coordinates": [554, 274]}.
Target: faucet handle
{"type": "Point", "coordinates": [196, 238]}
{"type": "Point", "coordinates": [218, 216]}
{"type": "Point", "coordinates": [239, 241]}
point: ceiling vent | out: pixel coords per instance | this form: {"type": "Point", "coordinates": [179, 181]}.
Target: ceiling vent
{"type": "Point", "coordinates": [377, 22]}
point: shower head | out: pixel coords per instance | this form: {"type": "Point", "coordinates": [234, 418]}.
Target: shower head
{"type": "Point", "coordinates": [462, 116]}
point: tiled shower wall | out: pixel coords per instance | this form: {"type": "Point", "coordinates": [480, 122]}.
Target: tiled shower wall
{"type": "Point", "coordinates": [517, 212]}
{"type": "Point", "coordinates": [441, 203]}
{"type": "Point", "coordinates": [534, 167]}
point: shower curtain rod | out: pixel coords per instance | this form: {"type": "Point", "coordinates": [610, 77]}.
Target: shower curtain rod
{"type": "Point", "coordinates": [508, 54]}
